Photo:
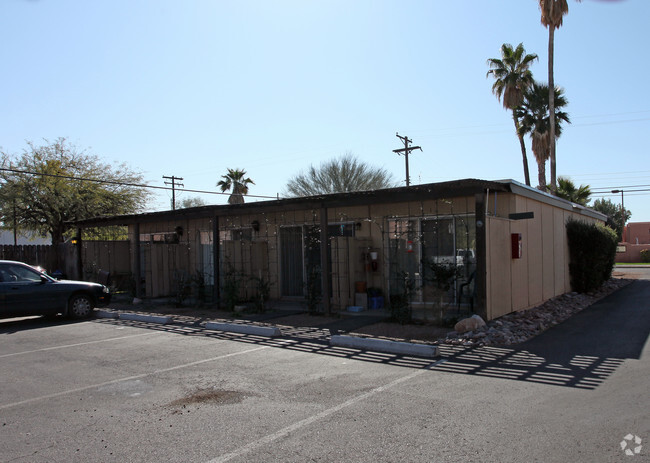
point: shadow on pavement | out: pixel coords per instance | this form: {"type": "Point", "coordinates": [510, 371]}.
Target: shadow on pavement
{"type": "Point", "coordinates": [581, 352]}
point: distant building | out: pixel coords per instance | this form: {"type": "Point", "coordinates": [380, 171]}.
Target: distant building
{"type": "Point", "coordinates": [636, 238]}
{"type": "Point", "coordinates": [637, 233]}
{"type": "Point", "coordinates": [23, 238]}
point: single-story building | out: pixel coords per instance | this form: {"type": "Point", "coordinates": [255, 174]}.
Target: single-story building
{"type": "Point", "coordinates": [497, 246]}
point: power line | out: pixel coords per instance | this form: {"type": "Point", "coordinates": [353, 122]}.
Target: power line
{"type": "Point", "coordinates": [114, 182]}
{"type": "Point", "coordinates": [619, 187]}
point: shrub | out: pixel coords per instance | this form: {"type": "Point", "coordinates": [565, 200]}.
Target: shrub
{"type": "Point", "coordinates": [592, 250]}
{"type": "Point", "coordinates": [645, 255]}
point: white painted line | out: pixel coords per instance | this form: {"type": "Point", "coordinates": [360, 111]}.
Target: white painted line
{"type": "Point", "coordinates": [163, 320]}
{"type": "Point", "coordinates": [271, 331]}
{"type": "Point", "coordinates": [128, 378]}
{"type": "Point", "coordinates": [384, 345]}
{"type": "Point", "coordinates": [66, 346]}
{"type": "Point", "coordinates": [307, 421]}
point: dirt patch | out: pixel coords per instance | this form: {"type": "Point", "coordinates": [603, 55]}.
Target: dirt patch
{"type": "Point", "coordinates": [213, 396]}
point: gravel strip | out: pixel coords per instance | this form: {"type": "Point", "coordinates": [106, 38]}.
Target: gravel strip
{"type": "Point", "coordinates": [517, 327]}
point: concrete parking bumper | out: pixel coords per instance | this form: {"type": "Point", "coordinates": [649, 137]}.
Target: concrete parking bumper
{"type": "Point", "coordinates": [384, 345]}
{"type": "Point", "coordinates": [270, 331]}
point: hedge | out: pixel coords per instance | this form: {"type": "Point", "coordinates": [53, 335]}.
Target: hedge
{"type": "Point", "coordinates": [592, 250]}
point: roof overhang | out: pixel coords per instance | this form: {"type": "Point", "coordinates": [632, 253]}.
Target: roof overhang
{"type": "Point", "coordinates": [441, 190]}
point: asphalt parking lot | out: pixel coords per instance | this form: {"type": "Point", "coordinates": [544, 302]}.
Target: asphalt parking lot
{"type": "Point", "coordinates": [116, 390]}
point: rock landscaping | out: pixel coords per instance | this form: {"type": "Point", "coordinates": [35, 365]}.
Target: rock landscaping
{"type": "Point", "coordinates": [517, 327]}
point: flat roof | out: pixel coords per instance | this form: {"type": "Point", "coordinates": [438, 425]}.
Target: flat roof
{"type": "Point", "coordinates": [440, 190]}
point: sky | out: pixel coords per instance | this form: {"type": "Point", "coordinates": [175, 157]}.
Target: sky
{"type": "Point", "coordinates": [191, 88]}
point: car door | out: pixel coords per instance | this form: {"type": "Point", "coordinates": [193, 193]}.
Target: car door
{"type": "Point", "coordinates": [23, 291]}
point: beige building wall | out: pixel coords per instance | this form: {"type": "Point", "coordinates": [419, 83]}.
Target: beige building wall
{"type": "Point", "coordinates": [511, 284]}
{"type": "Point", "coordinates": [543, 270]}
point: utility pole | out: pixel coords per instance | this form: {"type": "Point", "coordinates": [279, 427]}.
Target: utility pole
{"type": "Point", "coordinates": [174, 184]}
{"type": "Point", "coordinates": [406, 150]}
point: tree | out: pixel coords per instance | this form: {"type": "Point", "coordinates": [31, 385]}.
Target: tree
{"type": "Point", "coordinates": [566, 189]}
{"type": "Point", "coordinates": [534, 119]}
{"type": "Point", "coordinates": [51, 185]}
{"type": "Point", "coordinates": [341, 175]}
{"type": "Point", "coordinates": [614, 212]}
{"type": "Point", "coordinates": [235, 180]}
{"type": "Point", "coordinates": [512, 77]}
{"type": "Point", "coordinates": [552, 13]}
{"type": "Point", "coordinates": [192, 202]}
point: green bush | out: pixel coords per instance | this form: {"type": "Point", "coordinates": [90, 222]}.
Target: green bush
{"type": "Point", "coordinates": [592, 250]}
{"type": "Point", "coordinates": [645, 255]}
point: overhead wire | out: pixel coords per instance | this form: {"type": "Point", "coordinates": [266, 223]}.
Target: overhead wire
{"type": "Point", "coordinates": [129, 184]}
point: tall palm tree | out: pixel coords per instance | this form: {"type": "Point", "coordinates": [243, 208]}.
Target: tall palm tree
{"type": "Point", "coordinates": [234, 180]}
{"type": "Point", "coordinates": [534, 116]}
{"type": "Point", "coordinates": [567, 189]}
{"type": "Point", "coordinates": [512, 77]}
{"type": "Point", "coordinates": [552, 13]}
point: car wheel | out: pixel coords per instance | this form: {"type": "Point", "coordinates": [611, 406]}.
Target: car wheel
{"type": "Point", "coordinates": [80, 306]}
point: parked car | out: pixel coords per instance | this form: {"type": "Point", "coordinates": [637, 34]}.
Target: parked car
{"type": "Point", "coordinates": [26, 290]}
{"type": "Point", "coordinates": [465, 256]}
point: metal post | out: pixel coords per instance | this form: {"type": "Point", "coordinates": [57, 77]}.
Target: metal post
{"type": "Point", "coordinates": [137, 265]}
{"type": "Point", "coordinates": [324, 261]}
{"type": "Point", "coordinates": [481, 256]}
{"type": "Point", "coordinates": [622, 213]}
{"type": "Point", "coordinates": [216, 268]}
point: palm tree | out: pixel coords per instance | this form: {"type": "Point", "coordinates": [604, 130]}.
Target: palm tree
{"type": "Point", "coordinates": [535, 119]}
{"type": "Point", "coordinates": [552, 13]}
{"type": "Point", "coordinates": [512, 77]}
{"type": "Point", "coordinates": [566, 189]}
{"type": "Point", "coordinates": [235, 180]}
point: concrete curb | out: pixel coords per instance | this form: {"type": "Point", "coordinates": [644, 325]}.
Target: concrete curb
{"type": "Point", "coordinates": [384, 345]}
{"type": "Point", "coordinates": [145, 318]}
{"type": "Point", "coordinates": [270, 331]}
{"type": "Point", "coordinates": [106, 314]}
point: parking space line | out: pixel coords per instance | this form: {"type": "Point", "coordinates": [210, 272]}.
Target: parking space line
{"type": "Point", "coordinates": [129, 378]}
{"type": "Point", "coordinates": [318, 416]}
{"type": "Point", "coordinates": [45, 349]}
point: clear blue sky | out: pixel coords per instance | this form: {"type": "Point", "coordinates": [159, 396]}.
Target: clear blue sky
{"type": "Point", "coordinates": [191, 88]}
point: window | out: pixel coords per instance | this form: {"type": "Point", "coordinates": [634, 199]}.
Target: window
{"type": "Point", "coordinates": [421, 248]}
{"type": "Point", "coordinates": [11, 273]}
{"type": "Point", "coordinates": [236, 234]}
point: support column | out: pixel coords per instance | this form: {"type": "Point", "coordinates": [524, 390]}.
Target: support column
{"type": "Point", "coordinates": [80, 264]}
{"type": "Point", "coordinates": [324, 261]}
{"type": "Point", "coordinates": [137, 265]}
{"type": "Point", "coordinates": [216, 268]}
{"type": "Point", "coordinates": [481, 257]}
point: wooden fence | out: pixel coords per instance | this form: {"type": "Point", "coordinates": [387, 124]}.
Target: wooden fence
{"type": "Point", "coordinates": [41, 255]}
